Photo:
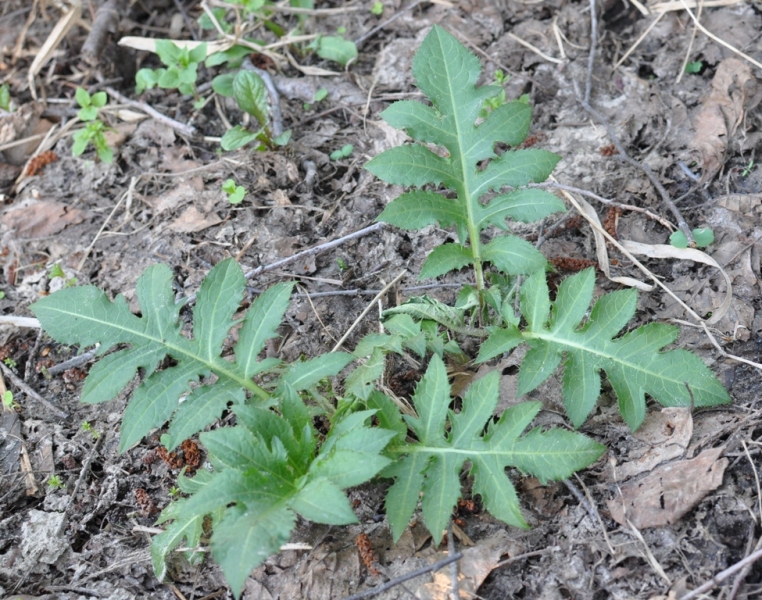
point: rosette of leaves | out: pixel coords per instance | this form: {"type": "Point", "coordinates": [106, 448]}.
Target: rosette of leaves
{"type": "Point", "coordinates": [85, 316]}
{"type": "Point", "coordinates": [180, 72]}
{"type": "Point", "coordinates": [635, 362]}
{"type": "Point", "coordinates": [267, 469]}
{"type": "Point", "coordinates": [464, 161]}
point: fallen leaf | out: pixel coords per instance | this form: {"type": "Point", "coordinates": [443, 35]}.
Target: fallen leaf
{"type": "Point", "coordinates": [664, 436]}
{"type": "Point", "coordinates": [721, 113]}
{"type": "Point", "coordinates": [192, 221]}
{"type": "Point", "coordinates": [668, 492]}
{"type": "Point", "coordinates": [41, 219]}
{"type": "Point", "coordinates": [477, 563]}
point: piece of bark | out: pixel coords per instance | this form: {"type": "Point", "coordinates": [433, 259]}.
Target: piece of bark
{"type": "Point", "coordinates": [105, 26]}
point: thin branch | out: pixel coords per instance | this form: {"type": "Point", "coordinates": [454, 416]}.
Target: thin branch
{"type": "Point", "coordinates": [399, 580]}
{"type": "Point", "coordinates": [454, 587]}
{"type": "Point", "coordinates": [722, 576]}
{"type": "Point", "coordinates": [18, 382]}
{"type": "Point", "coordinates": [182, 128]}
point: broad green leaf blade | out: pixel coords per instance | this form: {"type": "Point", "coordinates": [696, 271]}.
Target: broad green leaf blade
{"type": "Point", "coordinates": [499, 341]}
{"type": "Point", "coordinates": [447, 73]}
{"type": "Point", "coordinates": [465, 160]}
{"type": "Point", "coordinates": [250, 92]}
{"type": "Point", "coordinates": [112, 373]}
{"type": "Point", "coordinates": [444, 259]}
{"type": "Point", "coordinates": [525, 205]}
{"type": "Point", "coordinates": [431, 399]}
{"type": "Point", "coordinates": [508, 123]}
{"type": "Point", "coordinates": [538, 364]}
{"type": "Point", "coordinates": [221, 293]}
{"type": "Point", "coordinates": [582, 386]}
{"type": "Point", "coordinates": [417, 209]}
{"type": "Point", "coordinates": [245, 538]}
{"type": "Point", "coordinates": [85, 316]}
{"type": "Point", "coordinates": [635, 363]}
{"type": "Point", "coordinates": [412, 165]}
{"type": "Point", "coordinates": [348, 468]}
{"type": "Point", "coordinates": [155, 400]}
{"type": "Point", "coordinates": [301, 376]}
{"type": "Point", "coordinates": [497, 491]}
{"type": "Point", "coordinates": [441, 490]}
{"type": "Point", "coordinates": [323, 502]}
{"type": "Point", "coordinates": [573, 300]}
{"type": "Point", "coordinates": [535, 302]}
{"type": "Point", "coordinates": [202, 407]}
{"type": "Point", "coordinates": [554, 455]}
{"type": "Point", "coordinates": [425, 308]}
{"type": "Point", "coordinates": [420, 122]}
{"type": "Point", "coordinates": [402, 497]}
{"type": "Point", "coordinates": [260, 324]}
{"type": "Point", "coordinates": [433, 464]}
{"type": "Point", "coordinates": [513, 256]}
{"type": "Point", "coordinates": [514, 169]}
{"type": "Point", "coordinates": [360, 381]}
{"type": "Point", "coordinates": [182, 531]}
{"type": "Point", "coordinates": [238, 137]}
{"type": "Point", "coordinates": [236, 448]}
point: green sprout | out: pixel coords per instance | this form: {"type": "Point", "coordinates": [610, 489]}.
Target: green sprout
{"type": "Point", "coordinates": [342, 152]}
{"type": "Point", "coordinates": [10, 363]}
{"type": "Point", "coordinates": [703, 236]}
{"type": "Point", "coordinates": [748, 168]}
{"type": "Point", "coordinates": [8, 402]}
{"type": "Point", "coordinates": [5, 97]}
{"type": "Point", "coordinates": [180, 73]}
{"type": "Point", "coordinates": [234, 192]}
{"type": "Point", "coordinates": [377, 8]}
{"type": "Point", "coordinates": [94, 131]}
{"type": "Point", "coordinates": [89, 429]}
{"type": "Point", "coordinates": [54, 482]}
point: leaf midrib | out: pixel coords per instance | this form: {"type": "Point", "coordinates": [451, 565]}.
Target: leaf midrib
{"type": "Point", "coordinates": [213, 366]}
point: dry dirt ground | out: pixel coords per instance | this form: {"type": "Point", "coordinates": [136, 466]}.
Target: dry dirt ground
{"type": "Point", "coordinates": [161, 201]}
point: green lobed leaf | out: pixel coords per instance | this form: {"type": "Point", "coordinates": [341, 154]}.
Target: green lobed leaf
{"type": "Point", "coordinates": [636, 363]}
{"type": "Point", "coordinates": [446, 440]}
{"type": "Point", "coordinates": [465, 160]}
{"type": "Point", "coordinates": [513, 255]}
{"type": "Point", "coordinates": [85, 316]}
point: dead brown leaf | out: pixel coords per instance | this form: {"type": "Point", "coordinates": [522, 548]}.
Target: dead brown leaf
{"type": "Point", "coordinates": [664, 436]}
{"type": "Point", "coordinates": [477, 563]}
{"type": "Point", "coordinates": [669, 492]}
{"type": "Point", "coordinates": [721, 114]}
{"type": "Point", "coordinates": [41, 219]}
{"type": "Point", "coordinates": [192, 220]}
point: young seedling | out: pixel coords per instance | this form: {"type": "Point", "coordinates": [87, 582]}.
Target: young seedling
{"type": "Point", "coordinates": [377, 8]}
{"type": "Point", "coordinates": [54, 482]}
{"type": "Point", "coordinates": [702, 236]}
{"type": "Point", "coordinates": [9, 404]}
{"type": "Point", "coordinates": [342, 152]}
{"type": "Point", "coordinates": [180, 73]}
{"type": "Point", "coordinates": [235, 193]}
{"type": "Point", "coordinates": [250, 92]}
{"type": "Point", "coordinates": [94, 131]}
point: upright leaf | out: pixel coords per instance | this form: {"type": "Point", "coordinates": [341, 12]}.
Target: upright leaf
{"type": "Point", "coordinates": [447, 73]}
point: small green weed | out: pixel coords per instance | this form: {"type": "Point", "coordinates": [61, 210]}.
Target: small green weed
{"type": "Point", "coordinates": [748, 168]}
{"type": "Point", "coordinates": [377, 8]}
{"type": "Point", "coordinates": [180, 72]}
{"type": "Point", "coordinates": [235, 193]}
{"type": "Point", "coordinates": [702, 236]}
{"type": "Point", "coordinates": [694, 67]}
{"type": "Point", "coordinates": [5, 97]}
{"type": "Point", "coordinates": [342, 152]}
{"type": "Point", "coordinates": [10, 363]}
{"type": "Point", "coordinates": [54, 482]}
{"type": "Point", "coordinates": [94, 130]}
{"type": "Point", "coordinates": [8, 402]}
